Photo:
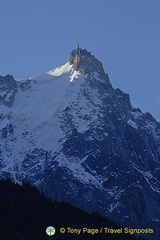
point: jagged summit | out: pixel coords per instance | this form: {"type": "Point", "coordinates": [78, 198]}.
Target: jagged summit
{"type": "Point", "coordinates": [81, 58]}
{"type": "Point", "coordinates": [80, 63]}
{"type": "Point", "coordinates": [90, 67]}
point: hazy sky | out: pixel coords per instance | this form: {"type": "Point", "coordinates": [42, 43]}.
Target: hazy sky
{"type": "Point", "coordinates": [38, 35]}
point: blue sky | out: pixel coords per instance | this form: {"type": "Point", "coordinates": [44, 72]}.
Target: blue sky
{"type": "Point", "coordinates": [38, 35]}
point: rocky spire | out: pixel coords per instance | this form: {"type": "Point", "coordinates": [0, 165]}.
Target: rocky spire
{"type": "Point", "coordinates": [82, 59]}
{"type": "Point", "coordinates": [89, 66]}
{"type": "Point", "coordinates": [8, 89]}
{"type": "Point", "coordinates": [77, 46]}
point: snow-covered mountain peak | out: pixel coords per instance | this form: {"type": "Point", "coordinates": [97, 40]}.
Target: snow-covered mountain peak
{"type": "Point", "coordinates": [80, 63]}
{"type": "Point", "coordinates": [70, 133]}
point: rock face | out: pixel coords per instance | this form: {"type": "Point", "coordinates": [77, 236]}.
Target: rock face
{"type": "Point", "coordinates": [78, 139]}
{"type": "Point", "coordinates": [8, 89]}
{"type": "Point", "coordinates": [89, 67]}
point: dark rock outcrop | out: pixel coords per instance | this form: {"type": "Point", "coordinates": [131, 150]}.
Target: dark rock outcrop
{"type": "Point", "coordinates": [91, 68]}
{"type": "Point", "coordinates": [8, 89]}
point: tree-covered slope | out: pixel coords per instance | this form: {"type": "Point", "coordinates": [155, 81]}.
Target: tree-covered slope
{"type": "Point", "coordinates": [25, 214]}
